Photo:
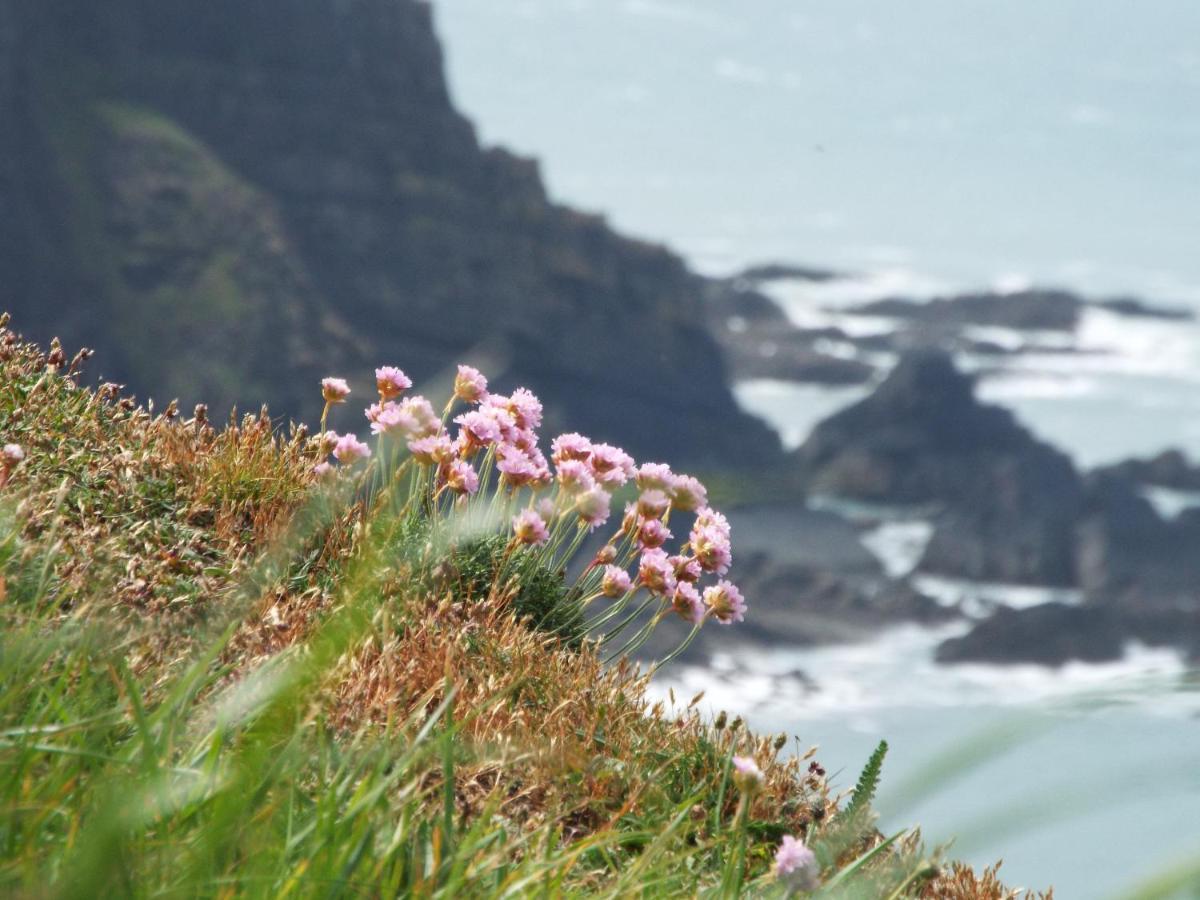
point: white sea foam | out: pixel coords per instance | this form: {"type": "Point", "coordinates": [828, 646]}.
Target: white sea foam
{"type": "Point", "coordinates": [979, 599]}
{"type": "Point", "coordinates": [792, 409]}
{"type": "Point", "coordinates": [896, 670]}
{"type": "Point", "coordinates": [898, 545]}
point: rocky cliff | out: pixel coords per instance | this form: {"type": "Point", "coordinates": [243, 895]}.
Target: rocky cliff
{"type": "Point", "coordinates": [265, 192]}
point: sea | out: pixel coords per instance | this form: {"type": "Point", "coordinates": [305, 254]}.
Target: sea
{"type": "Point", "coordinates": [915, 150]}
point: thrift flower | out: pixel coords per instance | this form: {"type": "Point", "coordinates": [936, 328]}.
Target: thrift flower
{"type": "Point", "coordinates": [616, 582]}
{"type": "Point", "coordinates": [653, 503]}
{"type": "Point", "coordinates": [569, 446]}
{"type": "Point", "coordinates": [384, 418]}
{"type": "Point", "coordinates": [686, 568]}
{"type": "Point", "coordinates": [334, 390]}
{"type": "Point", "coordinates": [611, 466]}
{"type": "Point", "coordinates": [653, 533]}
{"type": "Point", "coordinates": [526, 408]}
{"type": "Point", "coordinates": [391, 382]}
{"type": "Point", "coordinates": [432, 449]}
{"type": "Point", "coordinates": [461, 476]}
{"type": "Point", "coordinates": [13, 454]}
{"type": "Point", "coordinates": [687, 603]}
{"type": "Point", "coordinates": [574, 477]}
{"type": "Point", "coordinates": [470, 385]}
{"type": "Point", "coordinates": [655, 572]}
{"type": "Point", "coordinates": [726, 602]}
{"type": "Point", "coordinates": [688, 494]}
{"type": "Point", "coordinates": [747, 775]}
{"type": "Point", "coordinates": [655, 476]}
{"type": "Point", "coordinates": [605, 555]}
{"type": "Point", "coordinates": [417, 418]}
{"type": "Point", "coordinates": [516, 466]}
{"type": "Point", "coordinates": [545, 508]}
{"type": "Point", "coordinates": [481, 428]}
{"type": "Point", "coordinates": [529, 528]}
{"type": "Point", "coordinates": [350, 449]}
{"type": "Point", "coordinates": [593, 507]}
{"type": "Point", "coordinates": [323, 469]}
{"type": "Point", "coordinates": [796, 865]}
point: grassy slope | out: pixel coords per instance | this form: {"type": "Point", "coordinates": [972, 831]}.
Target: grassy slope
{"type": "Point", "coordinates": [217, 679]}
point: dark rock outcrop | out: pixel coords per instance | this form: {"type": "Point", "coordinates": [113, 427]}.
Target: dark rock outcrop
{"type": "Point", "coordinates": [786, 272]}
{"type": "Point", "coordinates": [1041, 310]}
{"type": "Point", "coordinates": [758, 340]}
{"type": "Point", "coordinates": [1131, 557]}
{"type": "Point", "coordinates": [266, 192]}
{"type": "Point", "coordinates": [1009, 501]}
{"type": "Point", "coordinates": [1049, 634]}
{"type": "Point", "coordinates": [1169, 469]}
{"type": "Point", "coordinates": [1134, 308]}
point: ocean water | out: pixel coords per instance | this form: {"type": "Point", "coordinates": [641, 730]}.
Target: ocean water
{"type": "Point", "coordinates": [965, 139]}
{"type": "Point", "coordinates": [918, 149]}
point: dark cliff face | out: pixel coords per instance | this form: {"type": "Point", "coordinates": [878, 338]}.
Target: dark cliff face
{"type": "Point", "coordinates": [229, 199]}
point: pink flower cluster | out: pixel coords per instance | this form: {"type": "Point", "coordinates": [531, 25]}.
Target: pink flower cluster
{"type": "Point", "coordinates": [499, 433]}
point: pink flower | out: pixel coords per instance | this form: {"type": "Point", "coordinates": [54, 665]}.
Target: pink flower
{"type": "Point", "coordinates": [384, 417]}
{"type": "Point", "coordinates": [334, 390]}
{"type": "Point", "coordinates": [323, 469]}
{"type": "Point", "coordinates": [687, 603]}
{"type": "Point", "coordinates": [569, 446]}
{"type": "Point", "coordinates": [712, 549]}
{"type": "Point", "coordinates": [593, 507]}
{"type": "Point", "coordinates": [655, 476]}
{"type": "Point", "coordinates": [391, 382]}
{"type": "Point", "coordinates": [516, 467]}
{"type": "Point", "coordinates": [653, 503]}
{"type": "Point", "coordinates": [686, 568]}
{"type": "Point", "coordinates": [545, 509]}
{"type": "Point", "coordinates": [726, 602]}
{"type": "Point", "coordinates": [526, 408]}
{"type": "Point", "coordinates": [13, 454]}
{"type": "Point", "coordinates": [482, 427]}
{"type": "Point", "coordinates": [611, 466]}
{"type": "Point", "coordinates": [747, 775]}
{"type": "Point", "coordinates": [616, 582]}
{"type": "Point", "coordinates": [461, 476]}
{"type": "Point", "coordinates": [710, 541]}
{"type": "Point", "coordinates": [707, 517]}
{"type": "Point", "coordinates": [575, 477]}
{"type": "Point", "coordinates": [470, 385]}
{"type": "Point", "coordinates": [653, 533]}
{"type": "Point", "coordinates": [605, 555]}
{"type": "Point", "coordinates": [431, 449]}
{"type": "Point", "coordinates": [417, 418]}
{"type": "Point", "coordinates": [796, 865]}
{"type": "Point", "coordinates": [688, 494]}
{"type": "Point", "coordinates": [655, 572]}
{"type": "Point", "coordinates": [327, 442]}
{"type": "Point", "coordinates": [350, 449]}
{"type": "Point", "coordinates": [529, 528]}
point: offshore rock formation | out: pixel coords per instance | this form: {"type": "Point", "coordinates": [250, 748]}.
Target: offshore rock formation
{"type": "Point", "coordinates": [1008, 501]}
{"type": "Point", "coordinates": [267, 192]}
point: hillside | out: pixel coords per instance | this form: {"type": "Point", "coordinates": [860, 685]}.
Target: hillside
{"type": "Point", "coordinates": [229, 199]}
{"type": "Point", "coordinates": [223, 673]}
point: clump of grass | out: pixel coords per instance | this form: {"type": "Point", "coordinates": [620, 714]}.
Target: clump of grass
{"type": "Point", "coordinates": [221, 674]}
